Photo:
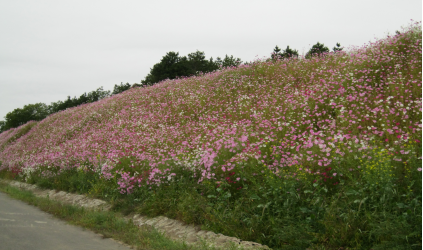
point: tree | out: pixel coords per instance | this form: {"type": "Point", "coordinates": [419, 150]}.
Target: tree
{"type": "Point", "coordinates": [287, 53]}
{"type": "Point", "coordinates": [62, 105]}
{"type": "Point", "coordinates": [172, 66]}
{"type": "Point", "coordinates": [337, 47]}
{"type": "Point", "coordinates": [2, 126]}
{"type": "Point", "coordinates": [317, 50]}
{"type": "Point", "coordinates": [98, 94]}
{"type": "Point", "coordinates": [20, 116]}
{"type": "Point", "coordinates": [92, 96]}
{"type": "Point", "coordinates": [39, 111]}
{"type": "Point", "coordinates": [228, 62]}
{"type": "Point", "coordinates": [276, 54]}
{"type": "Point", "coordinates": [197, 63]}
{"type": "Point", "coordinates": [120, 88]}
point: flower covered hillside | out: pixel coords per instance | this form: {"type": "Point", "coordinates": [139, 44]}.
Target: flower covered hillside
{"type": "Point", "coordinates": [284, 116]}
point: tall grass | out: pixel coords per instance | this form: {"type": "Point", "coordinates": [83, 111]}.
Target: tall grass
{"type": "Point", "coordinates": [295, 153]}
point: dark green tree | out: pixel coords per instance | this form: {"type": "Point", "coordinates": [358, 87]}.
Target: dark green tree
{"type": "Point", "coordinates": [92, 96]}
{"type": "Point", "coordinates": [2, 126]}
{"type": "Point", "coordinates": [98, 94]}
{"type": "Point", "coordinates": [227, 62]}
{"type": "Point", "coordinates": [197, 63]}
{"type": "Point", "coordinates": [172, 66]}
{"type": "Point", "coordinates": [62, 105]}
{"type": "Point", "coordinates": [276, 54]}
{"type": "Point", "coordinates": [39, 111]}
{"type": "Point", "coordinates": [337, 47]}
{"type": "Point", "coordinates": [20, 116]}
{"type": "Point", "coordinates": [288, 52]}
{"type": "Point", "coordinates": [317, 50]}
{"type": "Point", "coordinates": [120, 88]}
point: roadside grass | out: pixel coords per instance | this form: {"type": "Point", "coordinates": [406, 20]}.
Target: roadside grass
{"type": "Point", "coordinates": [377, 206]}
{"type": "Point", "coordinates": [109, 224]}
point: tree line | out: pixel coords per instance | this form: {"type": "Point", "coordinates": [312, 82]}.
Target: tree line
{"type": "Point", "coordinates": [317, 49]}
{"type": "Point", "coordinates": [171, 66]}
{"type": "Point", "coordinates": [39, 111]}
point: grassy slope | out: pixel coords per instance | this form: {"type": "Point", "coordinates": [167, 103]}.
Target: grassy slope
{"type": "Point", "coordinates": [294, 153]}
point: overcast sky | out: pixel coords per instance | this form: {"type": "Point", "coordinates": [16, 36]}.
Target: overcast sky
{"type": "Point", "coordinates": [52, 49]}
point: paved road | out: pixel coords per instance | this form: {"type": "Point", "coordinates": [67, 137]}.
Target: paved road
{"type": "Point", "coordinates": [26, 227]}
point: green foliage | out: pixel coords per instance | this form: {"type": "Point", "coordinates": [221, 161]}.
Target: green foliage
{"type": "Point", "coordinates": [227, 62]}
{"type": "Point", "coordinates": [173, 66]}
{"type": "Point", "coordinates": [317, 50]}
{"type": "Point", "coordinates": [376, 206]}
{"type": "Point", "coordinates": [120, 88]}
{"type": "Point", "coordinates": [2, 126]}
{"type": "Point", "coordinates": [20, 116]}
{"type": "Point", "coordinates": [92, 96]}
{"type": "Point", "coordinates": [10, 174]}
{"type": "Point", "coordinates": [337, 48]}
{"type": "Point", "coordinates": [276, 53]}
{"type": "Point", "coordinates": [196, 62]}
{"type": "Point", "coordinates": [287, 53]}
{"type": "Point", "coordinates": [73, 180]}
{"type": "Point", "coordinates": [170, 67]}
{"type": "Point", "coordinates": [39, 111]}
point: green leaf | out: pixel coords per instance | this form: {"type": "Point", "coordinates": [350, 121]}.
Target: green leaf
{"type": "Point", "coordinates": [401, 205]}
{"type": "Point", "coordinates": [304, 209]}
{"type": "Point", "coordinates": [351, 192]}
{"type": "Point", "coordinates": [227, 195]}
{"type": "Point", "coordinates": [255, 197]}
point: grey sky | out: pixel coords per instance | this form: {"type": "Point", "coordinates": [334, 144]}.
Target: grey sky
{"type": "Point", "coordinates": [52, 49]}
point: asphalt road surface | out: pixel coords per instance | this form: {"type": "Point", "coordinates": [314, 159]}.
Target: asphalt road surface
{"type": "Point", "coordinates": [26, 227]}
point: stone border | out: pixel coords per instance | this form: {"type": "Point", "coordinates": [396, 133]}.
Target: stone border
{"type": "Point", "coordinates": [174, 229]}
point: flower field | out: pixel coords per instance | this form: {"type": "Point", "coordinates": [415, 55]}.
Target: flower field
{"type": "Point", "coordinates": [279, 136]}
